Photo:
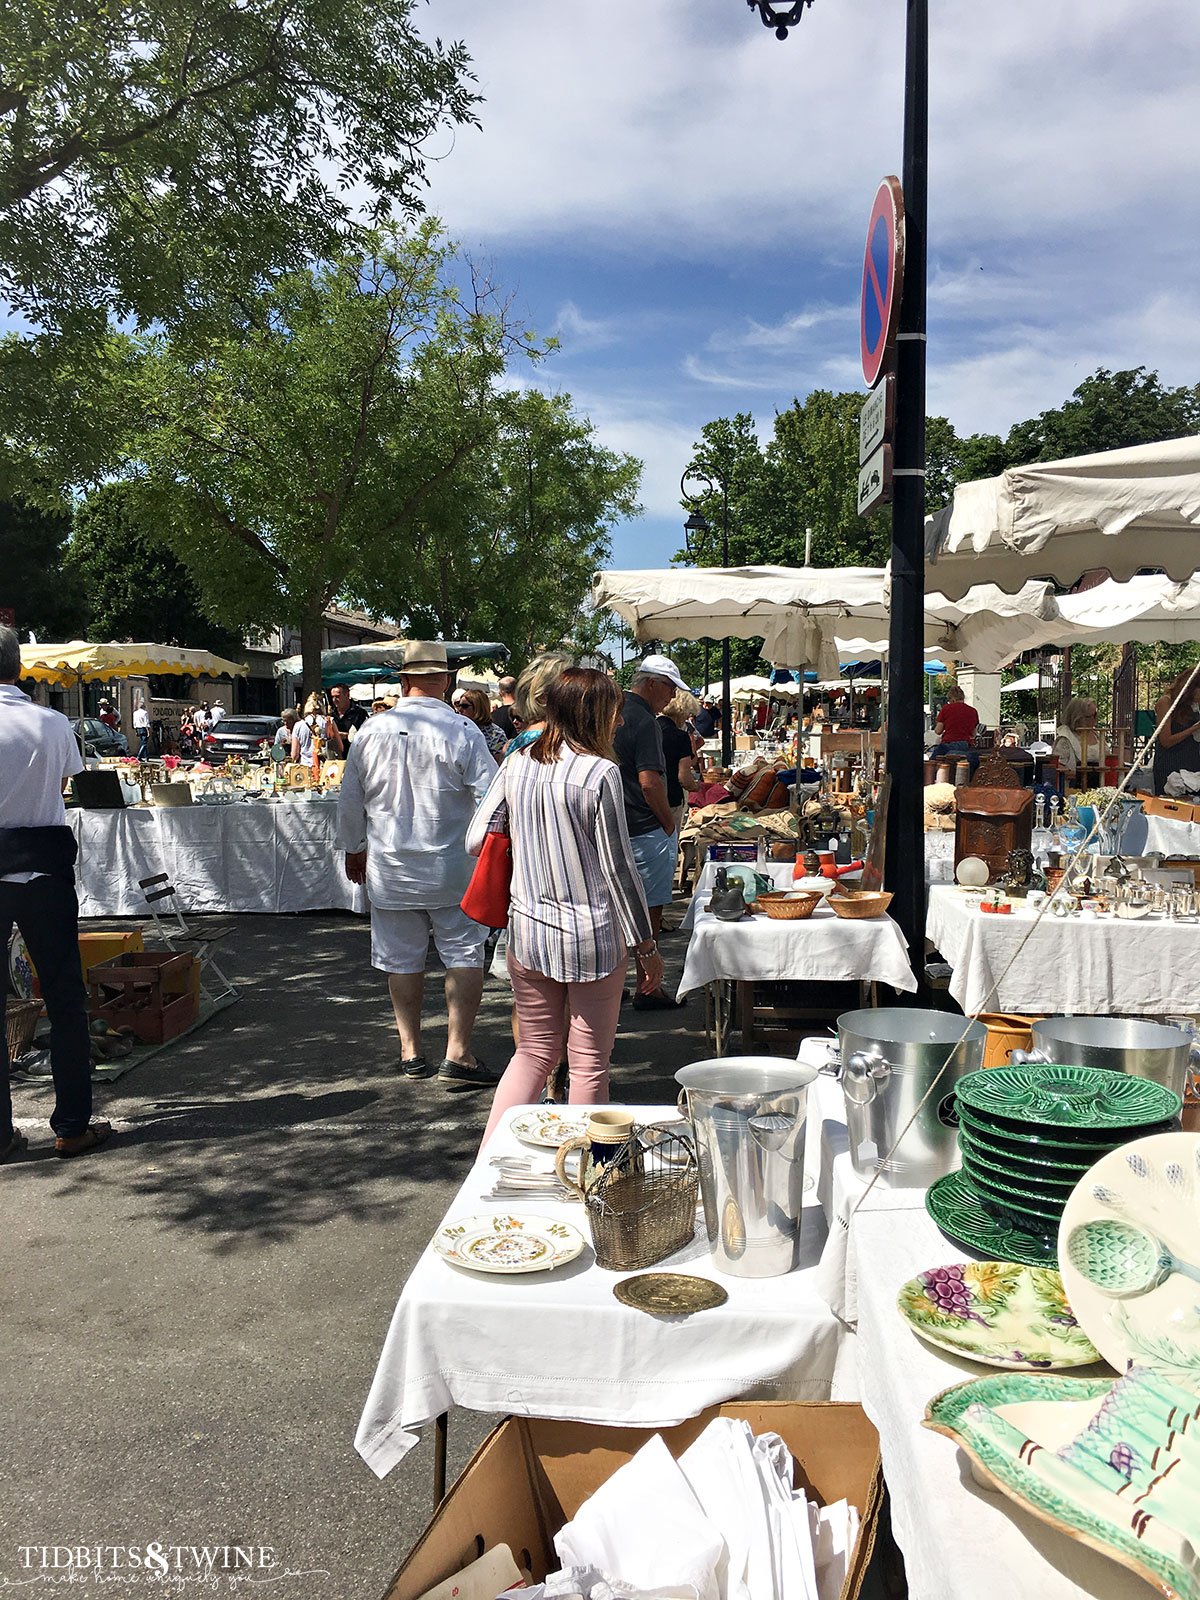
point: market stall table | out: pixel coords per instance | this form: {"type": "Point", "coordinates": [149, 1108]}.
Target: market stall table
{"type": "Point", "coordinates": [559, 1344]}
{"type": "Point", "coordinates": [255, 855]}
{"type": "Point", "coordinates": [1111, 966]}
{"type": "Point", "coordinates": [960, 1541]}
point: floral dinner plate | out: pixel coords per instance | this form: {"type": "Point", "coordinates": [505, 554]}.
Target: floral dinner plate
{"type": "Point", "coordinates": [547, 1128]}
{"type": "Point", "coordinates": [497, 1242]}
{"type": "Point", "coordinates": [997, 1313]}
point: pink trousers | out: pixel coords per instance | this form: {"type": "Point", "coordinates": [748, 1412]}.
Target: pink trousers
{"type": "Point", "coordinates": [546, 1009]}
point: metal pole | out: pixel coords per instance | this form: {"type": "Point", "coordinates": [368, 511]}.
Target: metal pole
{"type": "Point", "coordinates": [726, 698]}
{"type": "Point", "coordinates": [905, 745]}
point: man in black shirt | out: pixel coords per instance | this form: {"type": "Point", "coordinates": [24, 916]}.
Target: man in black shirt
{"type": "Point", "coordinates": [708, 719]}
{"type": "Point", "coordinates": [502, 715]}
{"type": "Point", "coordinates": [346, 716]}
{"type": "Point", "coordinates": [651, 822]}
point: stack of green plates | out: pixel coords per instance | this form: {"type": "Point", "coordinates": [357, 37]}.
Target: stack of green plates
{"type": "Point", "coordinates": [1027, 1135]}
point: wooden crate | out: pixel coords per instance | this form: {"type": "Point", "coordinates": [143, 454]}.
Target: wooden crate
{"type": "Point", "coordinates": [155, 993]}
{"type": "Point", "coordinates": [1156, 805]}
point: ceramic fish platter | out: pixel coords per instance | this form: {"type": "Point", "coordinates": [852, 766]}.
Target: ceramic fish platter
{"type": "Point", "coordinates": [997, 1313]}
{"type": "Point", "coordinates": [496, 1242]}
{"type": "Point", "coordinates": [1114, 1465]}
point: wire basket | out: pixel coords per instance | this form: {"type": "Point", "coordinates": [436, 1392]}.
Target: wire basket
{"type": "Point", "coordinates": [642, 1207]}
{"type": "Point", "coordinates": [20, 1021]}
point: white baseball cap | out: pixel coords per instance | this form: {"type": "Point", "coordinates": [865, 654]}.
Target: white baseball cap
{"type": "Point", "coordinates": [660, 667]}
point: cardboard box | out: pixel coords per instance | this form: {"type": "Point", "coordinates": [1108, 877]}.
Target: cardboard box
{"type": "Point", "coordinates": [530, 1476]}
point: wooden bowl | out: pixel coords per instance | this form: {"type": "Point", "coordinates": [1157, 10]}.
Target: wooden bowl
{"type": "Point", "coordinates": [855, 903]}
{"type": "Point", "coordinates": [787, 906]}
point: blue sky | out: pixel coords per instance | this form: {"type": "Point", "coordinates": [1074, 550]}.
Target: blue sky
{"type": "Point", "coordinates": [681, 199]}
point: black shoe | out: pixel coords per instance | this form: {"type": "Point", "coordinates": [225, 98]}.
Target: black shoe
{"type": "Point", "coordinates": [416, 1067]}
{"type": "Point", "coordinates": [468, 1072]}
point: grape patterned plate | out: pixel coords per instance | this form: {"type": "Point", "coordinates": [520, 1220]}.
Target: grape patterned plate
{"type": "Point", "coordinates": [498, 1242]}
{"type": "Point", "coordinates": [1067, 1097]}
{"type": "Point", "coordinates": [960, 1213]}
{"type": "Point", "coordinates": [997, 1313]}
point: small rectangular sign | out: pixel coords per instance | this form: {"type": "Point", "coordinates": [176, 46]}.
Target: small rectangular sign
{"type": "Point", "coordinates": [875, 481]}
{"type": "Point", "coordinates": [877, 416]}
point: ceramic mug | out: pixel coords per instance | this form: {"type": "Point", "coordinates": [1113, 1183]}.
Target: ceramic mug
{"type": "Point", "coordinates": [608, 1133]}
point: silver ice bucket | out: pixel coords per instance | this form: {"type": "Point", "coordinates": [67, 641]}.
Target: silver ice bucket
{"type": "Point", "coordinates": [1119, 1044]}
{"type": "Point", "coordinates": [898, 1069]}
{"type": "Point", "coordinates": [748, 1114]}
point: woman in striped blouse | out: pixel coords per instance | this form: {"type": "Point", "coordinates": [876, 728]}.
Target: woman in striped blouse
{"type": "Point", "coordinates": [577, 904]}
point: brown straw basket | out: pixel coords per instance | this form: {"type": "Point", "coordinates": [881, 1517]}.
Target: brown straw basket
{"type": "Point", "coordinates": [860, 903]}
{"type": "Point", "coordinates": [785, 907]}
{"type": "Point", "coordinates": [20, 1021]}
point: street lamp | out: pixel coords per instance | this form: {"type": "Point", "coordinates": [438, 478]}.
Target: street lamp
{"type": "Point", "coordinates": [781, 18]}
{"type": "Point", "coordinates": [695, 533]}
{"type": "Point", "coordinates": [906, 665]}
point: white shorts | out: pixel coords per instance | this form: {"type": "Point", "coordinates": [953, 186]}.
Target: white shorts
{"type": "Point", "coordinates": [400, 939]}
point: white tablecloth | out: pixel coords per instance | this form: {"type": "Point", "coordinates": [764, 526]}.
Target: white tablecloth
{"type": "Point", "coordinates": [823, 947]}
{"type": "Point", "coordinates": [253, 856]}
{"type": "Point", "coordinates": [561, 1345]}
{"type": "Point", "coordinates": [1109, 967]}
{"type": "Point", "coordinates": [1172, 837]}
{"type": "Point", "coordinates": [960, 1541]}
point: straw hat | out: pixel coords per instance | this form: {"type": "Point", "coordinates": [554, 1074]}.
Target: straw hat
{"type": "Point", "coordinates": [422, 658]}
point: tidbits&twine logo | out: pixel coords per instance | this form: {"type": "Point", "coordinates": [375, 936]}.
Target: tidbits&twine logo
{"type": "Point", "coordinates": [212, 1568]}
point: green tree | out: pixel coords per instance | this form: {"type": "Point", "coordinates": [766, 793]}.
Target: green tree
{"type": "Point", "coordinates": [296, 455]}
{"type": "Point", "coordinates": [150, 154]}
{"type": "Point", "coordinates": [45, 599]}
{"type": "Point", "coordinates": [506, 548]}
{"type": "Point", "coordinates": [135, 587]}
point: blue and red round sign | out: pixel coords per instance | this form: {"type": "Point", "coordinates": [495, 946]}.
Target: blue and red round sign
{"type": "Point", "coordinates": [882, 279]}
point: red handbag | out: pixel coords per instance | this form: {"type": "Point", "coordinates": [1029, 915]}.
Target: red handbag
{"type": "Point", "coordinates": [487, 898]}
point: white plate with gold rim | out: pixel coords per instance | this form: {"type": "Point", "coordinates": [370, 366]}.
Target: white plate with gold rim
{"type": "Point", "coordinates": [497, 1241]}
{"type": "Point", "coordinates": [545, 1128]}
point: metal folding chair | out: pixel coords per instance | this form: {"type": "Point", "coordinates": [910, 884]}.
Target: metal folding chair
{"type": "Point", "coordinates": [172, 928]}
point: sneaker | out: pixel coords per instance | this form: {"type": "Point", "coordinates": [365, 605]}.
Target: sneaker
{"type": "Point", "coordinates": [416, 1067]}
{"type": "Point", "coordinates": [468, 1072]}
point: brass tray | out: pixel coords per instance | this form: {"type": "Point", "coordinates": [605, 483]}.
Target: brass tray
{"type": "Point", "coordinates": [672, 1294]}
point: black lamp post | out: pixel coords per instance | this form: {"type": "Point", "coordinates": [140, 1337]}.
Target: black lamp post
{"type": "Point", "coordinates": [906, 666]}
{"type": "Point", "coordinates": [695, 533]}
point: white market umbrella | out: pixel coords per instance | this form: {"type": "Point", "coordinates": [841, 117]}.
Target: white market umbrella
{"type": "Point", "coordinates": [1031, 680]}
{"type": "Point", "coordinates": [1119, 509]}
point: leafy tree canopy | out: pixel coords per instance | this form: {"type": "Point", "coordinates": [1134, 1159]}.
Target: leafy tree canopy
{"type": "Point", "coordinates": [134, 587]}
{"type": "Point", "coordinates": [150, 154]}
{"type": "Point", "coordinates": [45, 599]}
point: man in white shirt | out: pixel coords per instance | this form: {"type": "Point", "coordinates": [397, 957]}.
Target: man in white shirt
{"type": "Point", "coordinates": [217, 712]}
{"type": "Point", "coordinates": [412, 781]}
{"type": "Point", "coordinates": [141, 726]}
{"type": "Point", "coordinates": [38, 753]}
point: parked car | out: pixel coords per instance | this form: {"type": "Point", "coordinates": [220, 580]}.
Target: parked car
{"type": "Point", "coordinates": [99, 739]}
{"type": "Point", "coordinates": [239, 737]}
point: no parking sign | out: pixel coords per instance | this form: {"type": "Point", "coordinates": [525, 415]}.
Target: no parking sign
{"type": "Point", "coordinates": [882, 279]}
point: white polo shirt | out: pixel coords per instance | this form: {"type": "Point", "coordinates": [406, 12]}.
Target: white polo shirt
{"type": "Point", "coordinates": [38, 753]}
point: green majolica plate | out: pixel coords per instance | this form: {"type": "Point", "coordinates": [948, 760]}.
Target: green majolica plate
{"type": "Point", "coordinates": [1034, 1160]}
{"type": "Point", "coordinates": [998, 1313]}
{"type": "Point", "coordinates": [958, 1209]}
{"type": "Point", "coordinates": [990, 1186]}
{"type": "Point", "coordinates": [1067, 1097]}
{"type": "Point", "coordinates": [1052, 1143]}
{"type": "Point", "coordinates": [1050, 1184]}
{"type": "Point", "coordinates": [1113, 1465]}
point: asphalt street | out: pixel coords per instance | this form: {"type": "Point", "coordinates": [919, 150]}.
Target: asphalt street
{"type": "Point", "coordinates": [193, 1315]}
